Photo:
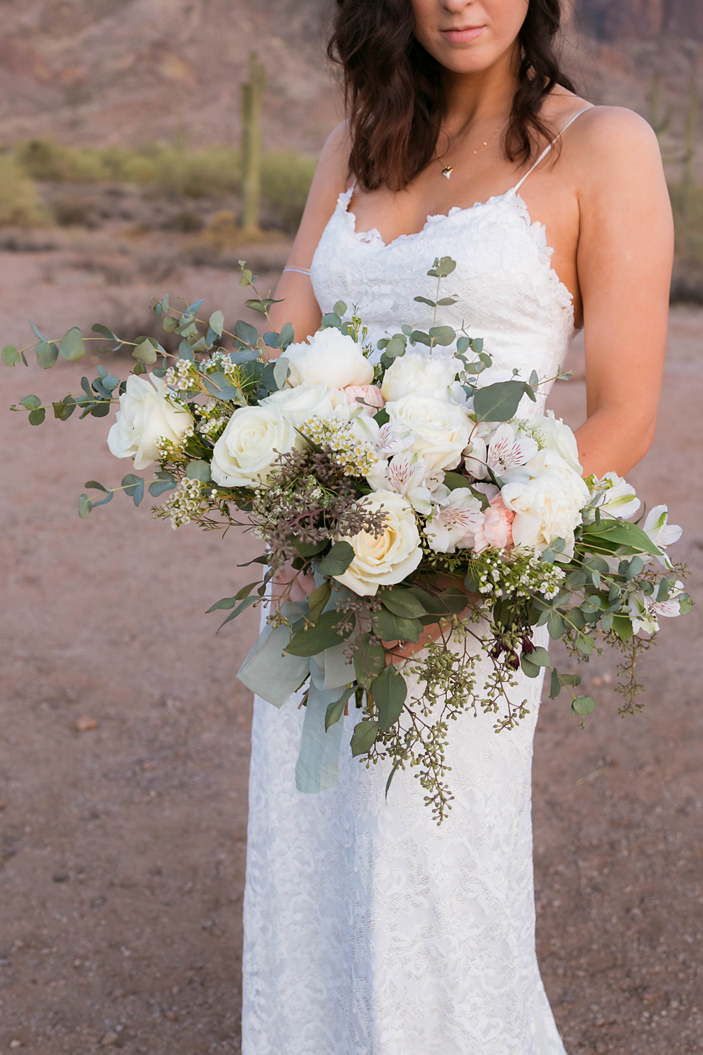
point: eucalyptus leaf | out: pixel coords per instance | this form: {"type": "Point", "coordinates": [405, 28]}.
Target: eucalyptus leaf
{"type": "Point", "coordinates": [337, 560]}
{"type": "Point", "coordinates": [246, 333]}
{"type": "Point", "coordinates": [71, 345]}
{"type": "Point", "coordinates": [389, 691]}
{"type": "Point", "coordinates": [198, 470]}
{"type": "Point", "coordinates": [369, 660]}
{"type": "Point", "coordinates": [364, 737]}
{"type": "Point", "coordinates": [391, 627]}
{"type": "Point", "coordinates": [281, 370]}
{"type": "Point", "coordinates": [108, 334]}
{"type": "Point", "coordinates": [403, 603]}
{"type": "Point", "coordinates": [443, 335]}
{"type": "Point", "coordinates": [317, 601]}
{"type": "Point", "coordinates": [47, 354]}
{"type": "Point", "coordinates": [84, 506]}
{"type": "Point", "coordinates": [498, 402]}
{"type": "Point", "coordinates": [583, 705]}
{"type": "Point", "coordinates": [217, 322]}
{"type": "Point", "coordinates": [335, 710]}
{"type": "Point", "coordinates": [36, 417]}
{"type": "Point", "coordinates": [10, 355]}
{"type": "Point", "coordinates": [325, 634]}
{"type": "Point", "coordinates": [145, 351]}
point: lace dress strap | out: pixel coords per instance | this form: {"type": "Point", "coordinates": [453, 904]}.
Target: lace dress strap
{"type": "Point", "coordinates": [547, 149]}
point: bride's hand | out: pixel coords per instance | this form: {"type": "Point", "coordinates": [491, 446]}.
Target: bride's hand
{"type": "Point", "coordinates": [290, 585]}
{"type": "Point", "coordinates": [399, 652]}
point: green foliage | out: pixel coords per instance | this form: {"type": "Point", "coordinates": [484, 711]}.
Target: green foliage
{"type": "Point", "coordinates": [19, 203]}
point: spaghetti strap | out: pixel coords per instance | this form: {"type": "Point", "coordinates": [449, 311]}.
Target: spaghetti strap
{"type": "Point", "coordinates": [546, 150]}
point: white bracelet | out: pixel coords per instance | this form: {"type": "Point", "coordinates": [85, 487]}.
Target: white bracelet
{"type": "Point", "coordinates": [300, 270]}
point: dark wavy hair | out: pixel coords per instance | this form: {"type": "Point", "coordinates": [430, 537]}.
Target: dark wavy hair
{"type": "Point", "coordinates": [393, 88]}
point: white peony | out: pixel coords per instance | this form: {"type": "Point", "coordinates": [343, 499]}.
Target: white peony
{"type": "Point", "coordinates": [441, 429]}
{"type": "Point", "coordinates": [302, 402]}
{"type": "Point", "coordinates": [388, 558]}
{"type": "Point", "coordinates": [146, 415]}
{"type": "Point", "coordinates": [553, 433]}
{"type": "Point", "coordinates": [417, 373]}
{"type": "Point", "coordinates": [457, 519]}
{"type": "Point", "coordinates": [250, 444]}
{"type": "Point", "coordinates": [329, 358]}
{"type": "Point", "coordinates": [548, 505]}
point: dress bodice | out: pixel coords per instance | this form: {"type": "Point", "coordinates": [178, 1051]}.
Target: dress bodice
{"type": "Point", "coordinates": [507, 291]}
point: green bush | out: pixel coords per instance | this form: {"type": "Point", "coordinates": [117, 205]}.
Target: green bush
{"type": "Point", "coordinates": [18, 199]}
{"type": "Point", "coordinates": [286, 179]}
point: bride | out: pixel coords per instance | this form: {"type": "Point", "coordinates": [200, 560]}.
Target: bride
{"type": "Point", "coordinates": [368, 930]}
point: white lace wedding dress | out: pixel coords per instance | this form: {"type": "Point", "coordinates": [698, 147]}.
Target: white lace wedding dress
{"type": "Point", "coordinates": [368, 929]}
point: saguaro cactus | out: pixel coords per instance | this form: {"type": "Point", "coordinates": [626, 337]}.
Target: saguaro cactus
{"type": "Point", "coordinates": [252, 99]}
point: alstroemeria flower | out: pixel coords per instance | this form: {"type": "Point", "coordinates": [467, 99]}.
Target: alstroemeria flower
{"type": "Point", "coordinates": [456, 521]}
{"type": "Point", "coordinates": [661, 532]}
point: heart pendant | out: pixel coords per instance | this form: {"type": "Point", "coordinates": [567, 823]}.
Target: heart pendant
{"type": "Point", "coordinates": [447, 171]}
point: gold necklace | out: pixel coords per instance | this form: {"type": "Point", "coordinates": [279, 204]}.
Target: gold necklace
{"type": "Point", "coordinates": [448, 169]}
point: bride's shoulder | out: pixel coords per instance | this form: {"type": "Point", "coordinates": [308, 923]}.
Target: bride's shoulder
{"type": "Point", "coordinates": [333, 164]}
{"type": "Point", "coordinates": [605, 150]}
{"type": "Point", "coordinates": [607, 139]}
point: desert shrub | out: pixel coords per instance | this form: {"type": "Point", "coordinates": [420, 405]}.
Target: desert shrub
{"type": "Point", "coordinates": [286, 179]}
{"type": "Point", "coordinates": [19, 205]}
{"type": "Point", "coordinates": [687, 283]}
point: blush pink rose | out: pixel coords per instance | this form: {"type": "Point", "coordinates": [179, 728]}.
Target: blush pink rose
{"type": "Point", "coordinates": [371, 394]}
{"type": "Point", "coordinates": [496, 530]}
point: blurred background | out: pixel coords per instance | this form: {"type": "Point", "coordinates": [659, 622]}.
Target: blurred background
{"type": "Point", "coordinates": [148, 145]}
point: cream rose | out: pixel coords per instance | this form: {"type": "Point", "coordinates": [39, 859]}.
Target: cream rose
{"type": "Point", "coordinates": [302, 402]}
{"type": "Point", "coordinates": [329, 358]}
{"type": "Point", "coordinates": [548, 504]}
{"type": "Point", "coordinates": [418, 373]}
{"type": "Point", "coordinates": [441, 430]}
{"type": "Point", "coordinates": [146, 415]}
{"type": "Point", "coordinates": [250, 444]}
{"type": "Point", "coordinates": [387, 559]}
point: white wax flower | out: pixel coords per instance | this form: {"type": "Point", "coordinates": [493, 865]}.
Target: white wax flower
{"type": "Point", "coordinates": [250, 444]}
{"type": "Point", "coordinates": [441, 429]}
{"type": "Point", "coordinates": [328, 358]}
{"type": "Point", "coordinates": [548, 505]}
{"type": "Point", "coordinates": [146, 415]}
{"type": "Point", "coordinates": [418, 373]}
{"type": "Point", "coordinates": [388, 558]}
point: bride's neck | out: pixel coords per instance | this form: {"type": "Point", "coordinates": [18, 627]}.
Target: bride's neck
{"type": "Point", "coordinates": [484, 95]}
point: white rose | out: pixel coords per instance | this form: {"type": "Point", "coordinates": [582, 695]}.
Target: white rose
{"type": "Point", "coordinates": [548, 505]}
{"type": "Point", "coordinates": [330, 358]}
{"type": "Point", "coordinates": [441, 429]}
{"type": "Point", "coordinates": [302, 402]}
{"type": "Point", "coordinates": [418, 373]}
{"type": "Point", "coordinates": [553, 433]}
{"type": "Point", "coordinates": [250, 444]}
{"type": "Point", "coordinates": [145, 416]}
{"type": "Point", "coordinates": [388, 558]}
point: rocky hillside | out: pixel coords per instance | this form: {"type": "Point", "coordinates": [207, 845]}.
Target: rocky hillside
{"type": "Point", "coordinates": [126, 71]}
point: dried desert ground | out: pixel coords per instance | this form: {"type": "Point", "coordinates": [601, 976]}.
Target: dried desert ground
{"type": "Point", "coordinates": [123, 845]}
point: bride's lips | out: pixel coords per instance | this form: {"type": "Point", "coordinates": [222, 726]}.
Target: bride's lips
{"type": "Point", "coordinates": [463, 35]}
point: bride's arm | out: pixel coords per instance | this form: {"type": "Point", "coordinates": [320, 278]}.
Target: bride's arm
{"type": "Point", "coordinates": [299, 305]}
{"type": "Point", "coordinates": [624, 261]}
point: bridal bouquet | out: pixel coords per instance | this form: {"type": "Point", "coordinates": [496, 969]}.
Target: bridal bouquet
{"type": "Point", "coordinates": [403, 495]}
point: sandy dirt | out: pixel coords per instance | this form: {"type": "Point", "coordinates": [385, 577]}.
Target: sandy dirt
{"type": "Point", "coordinates": [123, 845]}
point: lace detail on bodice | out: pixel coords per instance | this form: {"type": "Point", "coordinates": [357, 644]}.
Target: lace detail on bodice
{"type": "Point", "coordinates": [507, 291]}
